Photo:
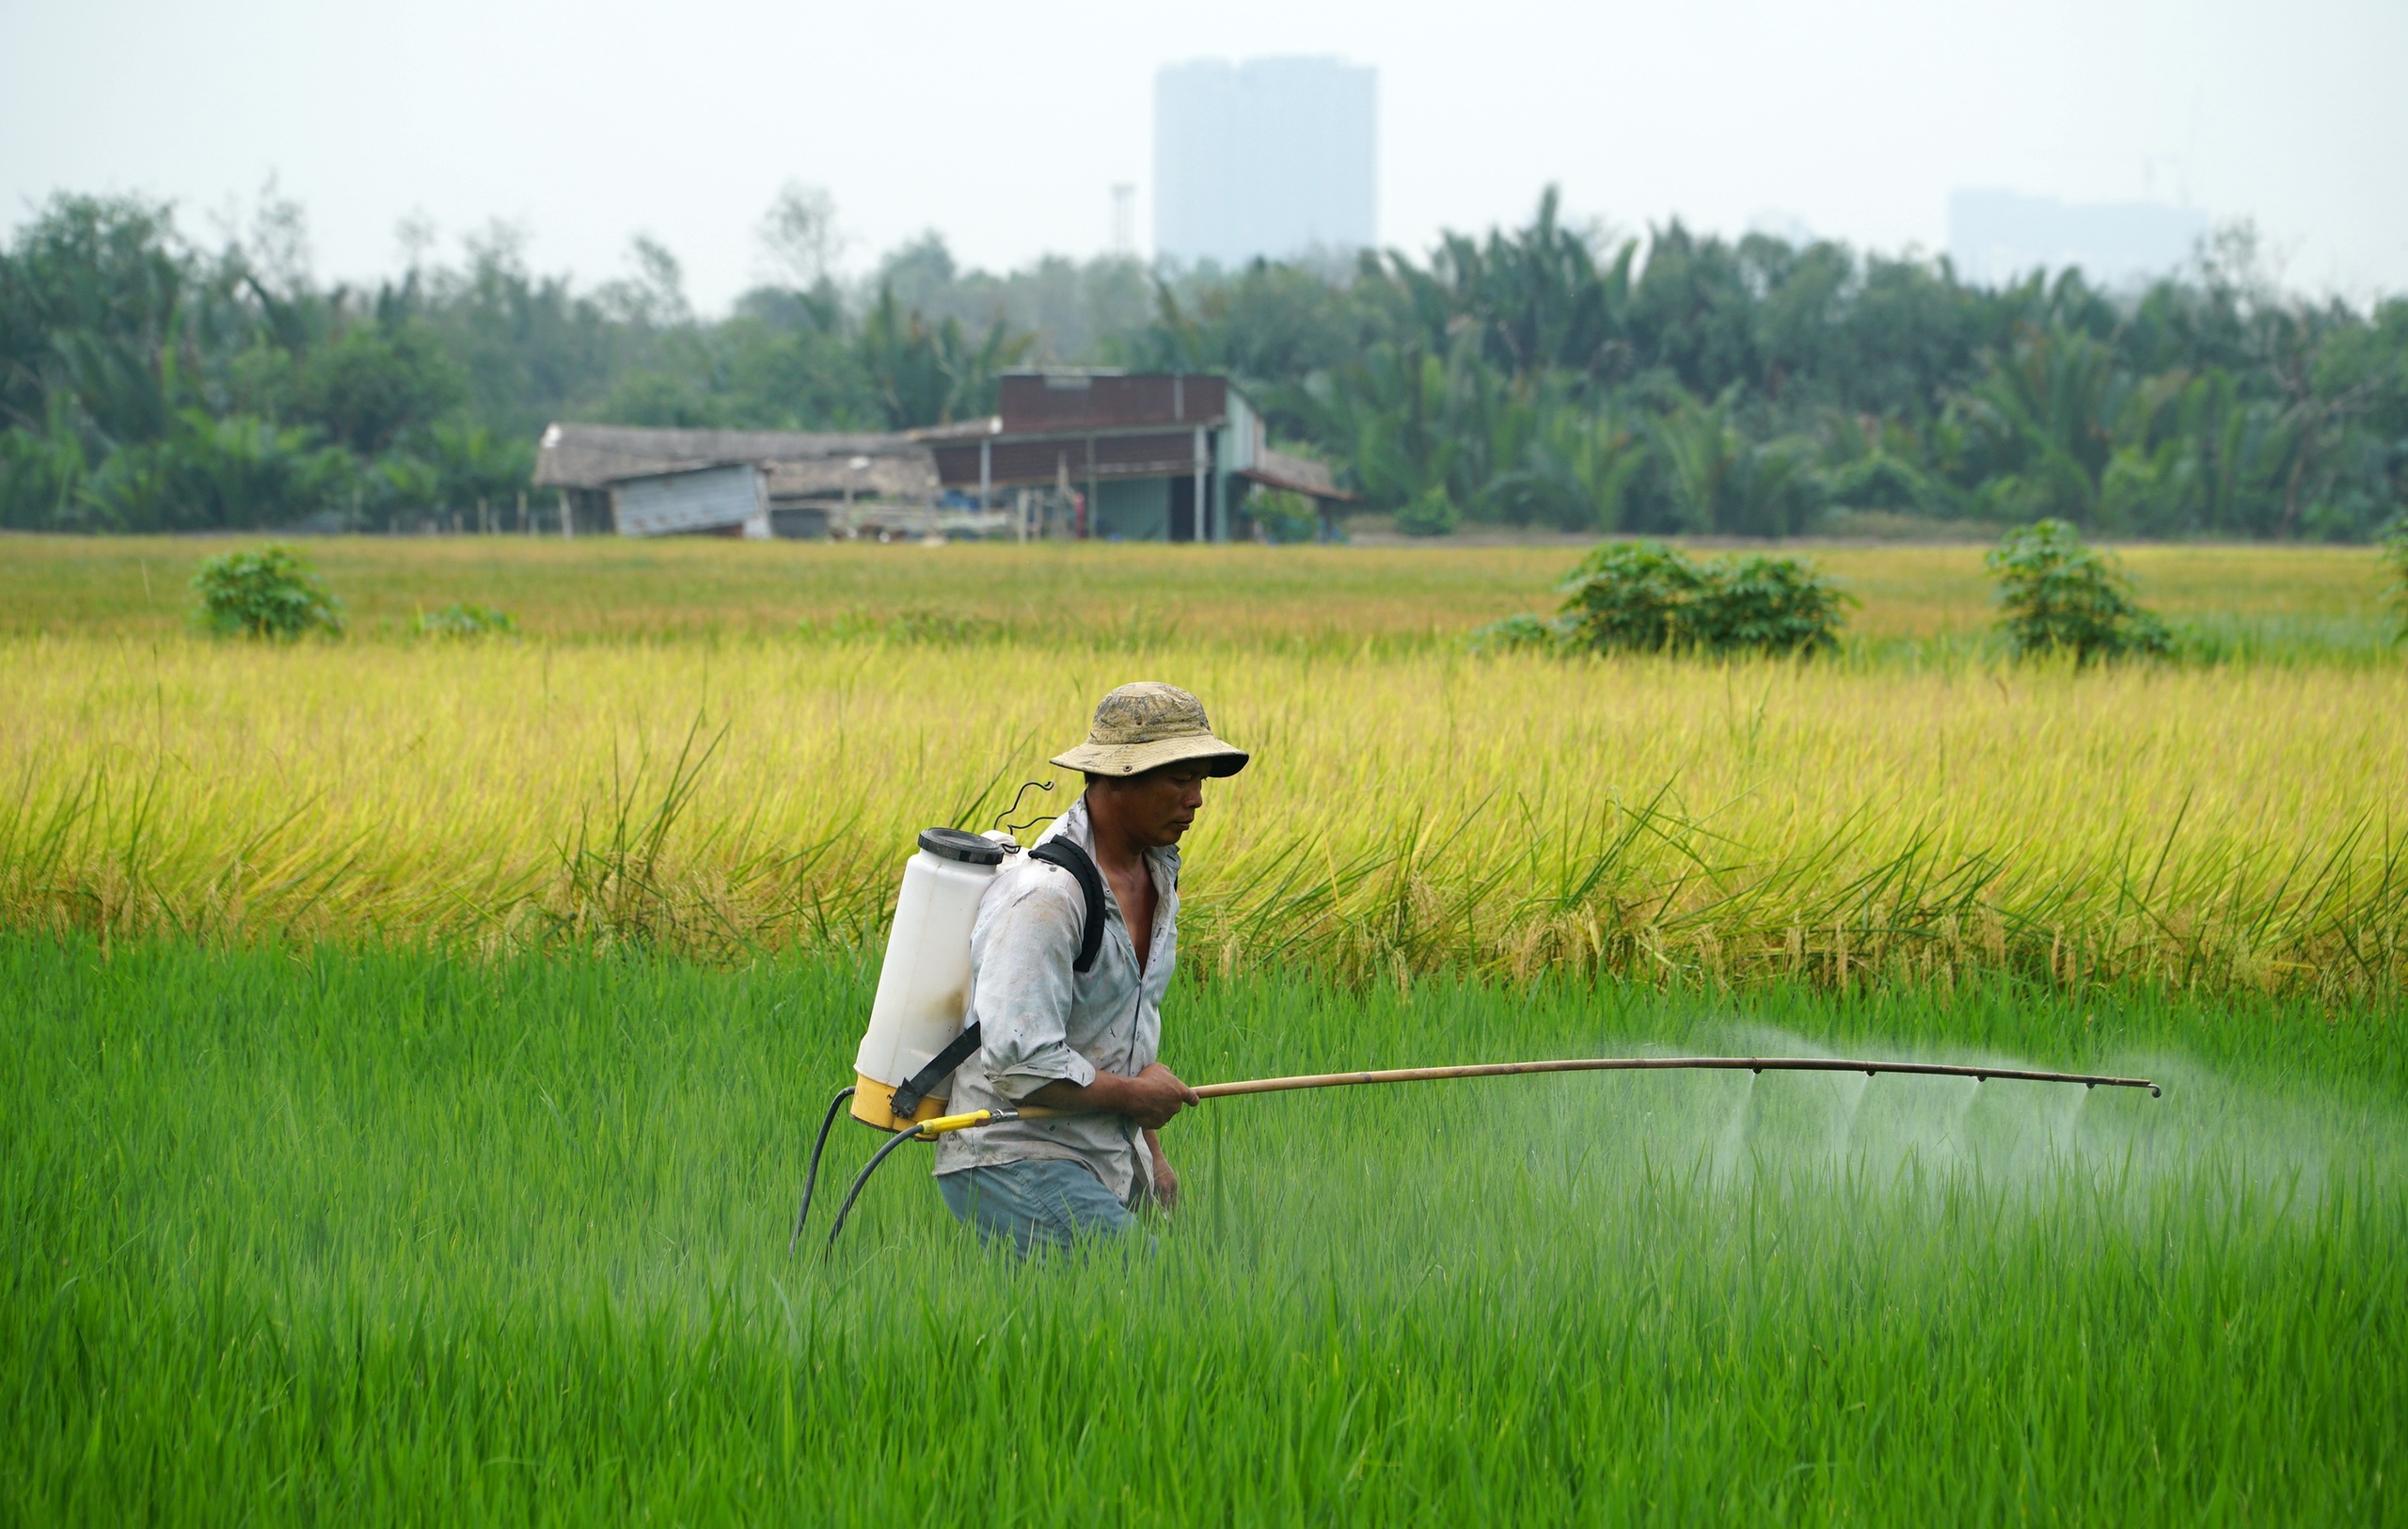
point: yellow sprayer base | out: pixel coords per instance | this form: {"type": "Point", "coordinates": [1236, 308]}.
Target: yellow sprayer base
{"type": "Point", "coordinates": [873, 1104]}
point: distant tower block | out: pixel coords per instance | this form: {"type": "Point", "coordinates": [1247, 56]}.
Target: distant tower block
{"type": "Point", "coordinates": [1995, 237]}
{"type": "Point", "coordinates": [1269, 157]}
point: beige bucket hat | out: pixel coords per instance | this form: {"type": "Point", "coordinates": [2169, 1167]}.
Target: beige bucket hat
{"type": "Point", "coordinates": [1146, 726]}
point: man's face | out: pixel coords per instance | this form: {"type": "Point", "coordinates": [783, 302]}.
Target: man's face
{"type": "Point", "coordinates": [1156, 807]}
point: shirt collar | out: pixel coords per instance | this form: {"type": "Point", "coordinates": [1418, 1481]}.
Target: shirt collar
{"type": "Point", "coordinates": [1076, 825]}
{"type": "Point", "coordinates": [1072, 825]}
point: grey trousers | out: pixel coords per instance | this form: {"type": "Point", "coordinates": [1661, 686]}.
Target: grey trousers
{"type": "Point", "coordinates": [1038, 1202]}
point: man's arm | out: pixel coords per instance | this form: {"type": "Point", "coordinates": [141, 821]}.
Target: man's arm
{"type": "Point", "coordinates": [1150, 1098]}
{"type": "Point", "coordinates": [1021, 950]}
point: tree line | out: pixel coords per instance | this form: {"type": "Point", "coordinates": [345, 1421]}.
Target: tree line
{"type": "Point", "coordinates": [1543, 376]}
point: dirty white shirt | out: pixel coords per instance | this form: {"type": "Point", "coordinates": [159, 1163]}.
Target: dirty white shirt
{"type": "Point", "coordinates": [1039, 1021]}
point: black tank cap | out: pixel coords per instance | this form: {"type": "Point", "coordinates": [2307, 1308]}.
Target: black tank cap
{"type": "Point", "coordinates": [961, 844]}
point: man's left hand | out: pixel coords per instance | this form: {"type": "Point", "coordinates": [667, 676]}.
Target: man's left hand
{"type": "Point", "coordinates": [1165, 1181]}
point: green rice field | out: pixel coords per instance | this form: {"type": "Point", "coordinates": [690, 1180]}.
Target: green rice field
{"type": "Point", "coordinates": [370, 1237]}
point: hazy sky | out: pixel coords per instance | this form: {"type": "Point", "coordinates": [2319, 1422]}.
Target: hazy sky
{"type": "Point", "coordinates": [1005, 126]}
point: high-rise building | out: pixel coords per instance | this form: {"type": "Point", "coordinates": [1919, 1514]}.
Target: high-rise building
{"type": "Point", "coordinates": [1998, 237]}
{"type": "Point", "coordinates": [1271, 157]}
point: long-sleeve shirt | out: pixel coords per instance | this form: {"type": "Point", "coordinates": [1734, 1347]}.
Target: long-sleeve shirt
{"type": "Point", "coordinates": [1040, 1022]}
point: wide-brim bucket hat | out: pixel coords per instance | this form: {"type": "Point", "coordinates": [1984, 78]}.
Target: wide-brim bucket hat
{"type": "Point", "coordinates": [1146, 726]}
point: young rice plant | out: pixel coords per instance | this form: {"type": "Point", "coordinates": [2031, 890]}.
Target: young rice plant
{"type": "Point", "coordinates": [387, 1236]}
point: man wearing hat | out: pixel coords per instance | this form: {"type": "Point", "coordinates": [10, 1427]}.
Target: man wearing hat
{"type": "Point", "coordinates": [1084, 1043]}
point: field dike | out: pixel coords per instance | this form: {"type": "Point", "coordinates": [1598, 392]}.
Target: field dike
{"type": "Point", "coordinates": [1409, 811]}
{"type": "Point", "coordinates": [382, 1235]}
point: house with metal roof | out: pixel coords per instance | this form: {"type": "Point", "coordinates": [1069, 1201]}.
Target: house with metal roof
{"type": "Point", "coordinates": [641, 482]}
{"type": "Point", "coordinates": [1163, 457]}
{"type": "Point", "coordinates": [1148, 456]}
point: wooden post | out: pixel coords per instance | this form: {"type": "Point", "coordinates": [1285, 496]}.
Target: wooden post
{"type": "Point", "coordinates": [568, 517]}
{"type": "Point", "coordinates": [1062, 489]}
{"type": "Point", "coordinates": [1201, 526]}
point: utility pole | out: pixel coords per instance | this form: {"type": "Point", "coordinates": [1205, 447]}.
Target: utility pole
{"type": "Point", "coordinates": [1124, 220]}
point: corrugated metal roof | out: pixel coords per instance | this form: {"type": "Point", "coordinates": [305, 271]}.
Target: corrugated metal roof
{"type": "Point", "coordinates": [1034, 402]}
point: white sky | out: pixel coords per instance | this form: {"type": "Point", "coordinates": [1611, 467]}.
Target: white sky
{"type": "Point", "coordinates": [1005, 126]}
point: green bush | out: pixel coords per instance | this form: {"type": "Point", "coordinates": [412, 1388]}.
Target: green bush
{"type": "Point", "coordinates": [2059, 595]}
{"type": "Point", "coordinates": [1283, 517]}
{"type": "Point", "coordinates": [1633, 596]}
{"type": "Point", "coordinates": [1769, 604]}
{"type": "Point", "coordinates": [1645, 597]}
{"type": "Point", "coordinates": [466, 621]}
{"type": "Point", "coordinates": [270, 593]}
{"type": "Point", "coordinates": [1430, 513]}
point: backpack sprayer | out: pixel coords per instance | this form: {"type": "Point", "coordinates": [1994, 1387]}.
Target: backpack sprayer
{"type": "Point", "coordinates": [917, 1036]}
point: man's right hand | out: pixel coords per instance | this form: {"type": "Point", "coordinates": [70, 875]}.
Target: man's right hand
{"type": "Point", "coordinates": [1155, 1095]}
{"type": "Point", "coordinates": [1150, 1098]}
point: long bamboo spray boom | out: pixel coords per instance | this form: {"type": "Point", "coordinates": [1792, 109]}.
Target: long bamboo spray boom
{"type": "Point", "coordinates": [973, 1120]}
{"type": "Point", "coordinates": [1657, 1064]}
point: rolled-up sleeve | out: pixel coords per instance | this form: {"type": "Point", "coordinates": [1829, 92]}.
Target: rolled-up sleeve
{"type": "Point", "coordinates": [1021, 950]}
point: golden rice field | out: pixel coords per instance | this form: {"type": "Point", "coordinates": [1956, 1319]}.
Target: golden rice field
{"type": "Point", "coordinates": [700, 778]}
{"type": "Point", "coordinates": [613, 590]}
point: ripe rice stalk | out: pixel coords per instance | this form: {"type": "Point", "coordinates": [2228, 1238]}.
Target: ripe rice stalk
{"type": "Point", "coordinates": [1408, 811]}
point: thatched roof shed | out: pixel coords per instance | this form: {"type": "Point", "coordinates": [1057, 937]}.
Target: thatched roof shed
{"type": "Point", "coordinates": [1297, 474]}
{"type": "Point", "coordinates": [800, 464]}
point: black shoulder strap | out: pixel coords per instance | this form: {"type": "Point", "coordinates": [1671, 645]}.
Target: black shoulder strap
{"type": "Point", "coordinates": [1066, 855]}
{"type": "Point", "coordinates": [957, 1051]}
{"type": "Point", "coordinates": [1053, 852]}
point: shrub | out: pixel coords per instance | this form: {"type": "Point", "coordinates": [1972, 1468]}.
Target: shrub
{"type": "Point", "coordinates": [1771, 604]}
{"type": "Point", "coordinates": [1283, 517]}
{"type": "Point", "coordinates": [270, 593]}
{"type": "Point", "coordinates": [2059, 595]}
{"type": "Point", "coordinates": [466, 621]}
{"type": "Point", "coordinates": [1645, 597]}
{"type": "Point", "coordinates": [1430, 513]}
{"type": "Point", "coordinates": [1633, 596]}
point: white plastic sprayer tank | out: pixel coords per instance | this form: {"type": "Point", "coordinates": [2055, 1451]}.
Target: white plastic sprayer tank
{"type": "Point", "coordinates": [924, 986]}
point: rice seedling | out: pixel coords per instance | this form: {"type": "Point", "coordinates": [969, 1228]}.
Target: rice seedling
{"type": "Point", "coordinates": [1410, 811]}
{"type": "Point", "coordinates": [386, 1235]}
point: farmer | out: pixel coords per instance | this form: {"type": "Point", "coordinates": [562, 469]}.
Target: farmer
{"type": "Point", "coordinates": [1084, 1043]}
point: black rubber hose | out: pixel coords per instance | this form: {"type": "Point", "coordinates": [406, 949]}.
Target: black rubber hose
{"type": "Point", "coordinates": [810, 1179]}
{"type": "Point", "coordinates": [867, 1169]}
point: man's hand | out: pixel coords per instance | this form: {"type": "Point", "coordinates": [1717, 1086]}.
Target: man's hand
{"type": "Point", "coordinates": [1154, 1095]}
{"type": "Point", "coordinates": [1150, 1098]}
{"type": "Point", "coordinates": [1165, 1182]}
